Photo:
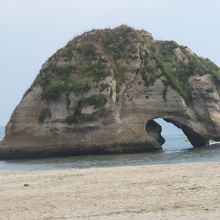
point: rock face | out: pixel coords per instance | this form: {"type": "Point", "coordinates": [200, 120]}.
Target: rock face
{"type": "Point", "coordinates": [102, 92]}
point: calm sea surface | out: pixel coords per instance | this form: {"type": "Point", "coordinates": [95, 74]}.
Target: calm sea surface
{"type": "Point", "coordinates": [176, 150]}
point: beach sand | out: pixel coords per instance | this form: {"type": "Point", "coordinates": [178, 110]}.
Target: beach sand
{"type": "Point", "coordinates": [178, 191]}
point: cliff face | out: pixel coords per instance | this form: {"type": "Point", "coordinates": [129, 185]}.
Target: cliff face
{"type": "Point", "coordinates": [102, 92]}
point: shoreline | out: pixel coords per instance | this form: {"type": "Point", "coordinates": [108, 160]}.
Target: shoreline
{"type": "Point", "coordinates": [18, 149]}
{"type": "Point", "coordinates": [172, 191]}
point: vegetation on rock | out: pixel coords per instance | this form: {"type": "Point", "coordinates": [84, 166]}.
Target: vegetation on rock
{"type": "Point", "coordinates": [88, 59]}
{"type": "Point", "coordinates": [173, 78]}
{"type": "Point", "coordinates": [97, 101]}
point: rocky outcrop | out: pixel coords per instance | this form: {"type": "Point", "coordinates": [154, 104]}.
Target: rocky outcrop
{"type": "Point", "coordinates": [102, 92]}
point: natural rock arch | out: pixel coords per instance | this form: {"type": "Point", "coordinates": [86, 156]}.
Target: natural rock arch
{"type": "Point", "coordinates": [96, 94]}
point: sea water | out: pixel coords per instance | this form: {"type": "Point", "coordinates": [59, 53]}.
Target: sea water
{"type": "Point", "coordinates": [176, 150]}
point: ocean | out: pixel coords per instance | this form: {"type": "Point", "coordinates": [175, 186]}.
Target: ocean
{"type": "Point", "coordinates": [176, 150]}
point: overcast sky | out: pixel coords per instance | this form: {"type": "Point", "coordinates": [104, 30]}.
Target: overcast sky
{"type": "Point", "coordinates": [32, 30]}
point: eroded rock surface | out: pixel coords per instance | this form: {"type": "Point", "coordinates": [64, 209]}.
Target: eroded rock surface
{"type": "Point", "coordinates": [101, 92]}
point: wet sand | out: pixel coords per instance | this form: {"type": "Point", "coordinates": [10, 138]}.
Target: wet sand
{"type": "Point", "coordinates": [178, 191]}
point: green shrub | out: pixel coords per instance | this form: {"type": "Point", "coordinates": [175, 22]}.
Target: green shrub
{"type": "Point", "coordinates": [88, 50]}
{"type": "Point", "coordinates": [179, 86]}
{"type": "Point", "coordinates": [53, 89]}
{"type": "Point", "coordinates": [72, 119]}
{"type": "Point", "coordinates": [62, 71]}
{"type": "Point", "coordinates": [216, 77]}
{"type": "Point", "coordinates": [81, 85]}
{"type": "Point", "coordinates": [167, 48]}
{"type": "Point", "coordinates": [97, 69]}
{"type": "Point", "coordinates": [98, 101]}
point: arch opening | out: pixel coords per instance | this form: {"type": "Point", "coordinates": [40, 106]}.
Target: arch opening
{"type": "Point", "coordinates": [165, 130]}
{"type": "Point", "coordinates": [175, 138]}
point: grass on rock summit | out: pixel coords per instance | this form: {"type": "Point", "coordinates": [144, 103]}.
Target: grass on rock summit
{"type": "Point", "coordinates": [89, 58]}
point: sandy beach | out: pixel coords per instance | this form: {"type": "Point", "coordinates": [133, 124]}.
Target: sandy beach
{"type": "Point", "coordinates": [178, 191]}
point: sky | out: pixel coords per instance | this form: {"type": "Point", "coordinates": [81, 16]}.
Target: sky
{"type": "Point", "coordinates": [32, 30]}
